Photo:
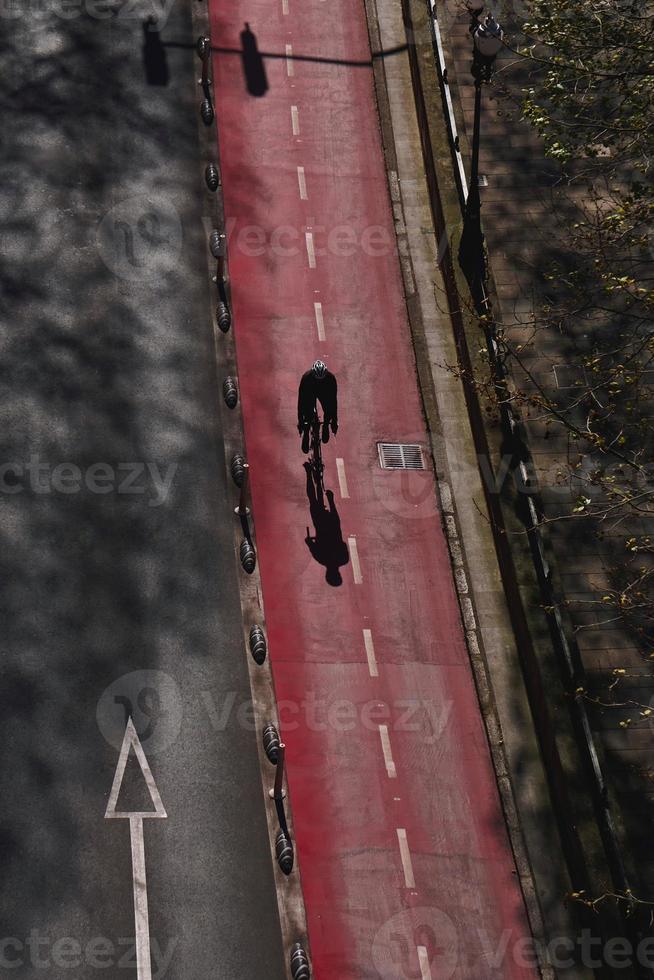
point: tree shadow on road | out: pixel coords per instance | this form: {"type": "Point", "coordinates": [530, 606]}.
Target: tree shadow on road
{"type": "Point", "coordinates": [102, 362]}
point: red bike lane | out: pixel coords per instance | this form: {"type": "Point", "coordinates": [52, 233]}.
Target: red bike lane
{"type": "Point", "coordinates": [406, 865]}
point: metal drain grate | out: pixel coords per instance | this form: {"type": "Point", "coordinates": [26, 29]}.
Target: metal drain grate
{"type": "Point", "coordinates": [400, 456]}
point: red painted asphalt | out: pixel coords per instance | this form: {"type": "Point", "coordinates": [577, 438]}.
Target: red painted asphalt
{"type": "Point", "coordinates": [372, 911]}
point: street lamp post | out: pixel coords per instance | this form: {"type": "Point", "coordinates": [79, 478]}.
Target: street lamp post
{"type": "Point", "coordinates": [487, 41]}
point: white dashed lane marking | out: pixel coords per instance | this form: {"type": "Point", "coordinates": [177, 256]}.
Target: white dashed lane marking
{"type": "Point", "coordinates": [354, 558]}
{"type": "Point", "coordinates": [295, 120]}
{"type": "Point", "coordinates": [285, 7]}
{"type": "Point", "coordinates": [388, 754]}
{"type": "Point", "coordinates": [311, 252]}
{"type": "Point", "coordinates": [342, 479]}
{"type": "Point", "coordinates": [320, 323]}
{"type": "Point", "coordinates": [423, 960]}
{"type": "Point", "coordinates": [290, 67]}
{"type": "Point", "coordinates": [405, 854]}
{"type": "Point", "coordinates": [370, 653]}
{"type": "Point", "coordinates": [302, 181]}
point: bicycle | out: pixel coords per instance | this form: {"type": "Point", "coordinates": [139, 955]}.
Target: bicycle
{"type": "Point", "coordinates": [315, 452]}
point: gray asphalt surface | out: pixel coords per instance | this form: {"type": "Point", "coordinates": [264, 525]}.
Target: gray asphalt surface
{"type": "Point", "coordinates": [118, 587]}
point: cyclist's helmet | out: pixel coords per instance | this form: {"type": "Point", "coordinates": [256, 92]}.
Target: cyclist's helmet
{"type": "Point", "coordinates": [319, 369]}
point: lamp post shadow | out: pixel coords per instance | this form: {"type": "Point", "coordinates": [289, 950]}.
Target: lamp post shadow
{"type": "Point", "coordinates": [472, 254]}
{"type": "Point", "coordinates": [254, 69]}
{"type": "Point", "coordinates": [155, 59]}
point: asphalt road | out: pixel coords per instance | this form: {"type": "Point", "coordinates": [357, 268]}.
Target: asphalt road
{"type": "Point", "coordinates": [118, 583]}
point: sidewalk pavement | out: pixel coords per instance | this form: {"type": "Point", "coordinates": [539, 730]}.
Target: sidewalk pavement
{"type": "Point", "coordinates": [520, 204]}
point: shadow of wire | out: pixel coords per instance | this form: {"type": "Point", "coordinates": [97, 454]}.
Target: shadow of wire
{"type": "Point", "coordinates": [277, 55]}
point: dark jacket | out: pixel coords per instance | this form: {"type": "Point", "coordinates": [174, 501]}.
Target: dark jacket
{"type": "Point", "coordinates": [324, 391]}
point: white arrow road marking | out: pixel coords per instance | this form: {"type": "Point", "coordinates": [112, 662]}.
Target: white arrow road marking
{"type": "Point", "coordinates": [136, 818]}
{"type": "Point", "coordinates": [141, 917]}
{"type": "Point", "coordinates": [132, 741]}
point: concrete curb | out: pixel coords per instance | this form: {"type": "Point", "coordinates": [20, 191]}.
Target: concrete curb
{"type": "Point", "coordinates": [290, 897]}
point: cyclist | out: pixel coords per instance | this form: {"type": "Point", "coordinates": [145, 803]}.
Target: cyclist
{"type": "Point", "coordinates": [318, 384]}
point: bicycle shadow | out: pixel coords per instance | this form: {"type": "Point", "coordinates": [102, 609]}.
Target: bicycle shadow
{"type": "Point", "coordinates": [326, 545]}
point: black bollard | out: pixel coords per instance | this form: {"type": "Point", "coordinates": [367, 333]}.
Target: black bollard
{"type": "Point", "coordinates": [284, 852]}
{"type": "Point", "coordinates": [206, 112]}
{"type": "Point", "coordinates": [248, 556]}
{"type": "Point", "coordinates": [212, 176]}
{"type": "Point", "coordinates": [223, 316]}
{"type": "Point", "coordinates": [230, 392]}
{"type": "Point", "coordinates": [258, 645]}
{"type": "Point", "coordinates": [271, 743]}
{"type": "Point", "coordinates": [300, 969]}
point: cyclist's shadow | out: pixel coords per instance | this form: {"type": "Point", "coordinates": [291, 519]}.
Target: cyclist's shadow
{"type": "Point", "coordinates": [327, 546]}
